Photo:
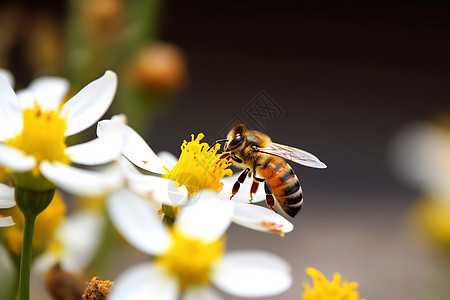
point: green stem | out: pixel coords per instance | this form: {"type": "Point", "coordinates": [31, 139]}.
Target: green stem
{"type": "Point", "coordinates": [25, 258]}
{"type": "Point", "coordinates": [31, 203]}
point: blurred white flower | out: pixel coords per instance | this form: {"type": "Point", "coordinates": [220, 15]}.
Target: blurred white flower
{"type": "Point", "coordinates": [74, 244]}
{"type": "Point", "coordinates": [6, 201]}
{"type": "Point", "coordinates": [190, 255]}
{"type": "Point", "coordinates": [34, 125]}
{"type": "Point", "coordinates": [421, 155]}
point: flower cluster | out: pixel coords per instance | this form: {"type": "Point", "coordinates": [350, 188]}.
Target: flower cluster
{"type": "Point", "coordinates": [175, 210]}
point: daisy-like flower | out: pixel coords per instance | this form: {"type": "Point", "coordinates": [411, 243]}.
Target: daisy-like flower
{"type": "Point", "coordinates": [183, 179]}
{"type": "Point", "coordinates": [329, 290]}
{"type": "Point", "coordinates": [421, 157]}
{"type": "Point", "coordinates": [33, 129]}
{"type": "Point", "coordinates": [6, 201]}
{"type": "Point", "coordinates": [190, 255]}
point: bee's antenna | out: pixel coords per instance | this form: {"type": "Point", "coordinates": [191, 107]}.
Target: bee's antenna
{"type": "Point", "coordinates": [217, 142]}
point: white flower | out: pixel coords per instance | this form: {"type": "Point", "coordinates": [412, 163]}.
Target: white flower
{"type": "Point", "coordinates": [191, 255]}
{"type": "Point", "coordinates": [6, 201]}
{"type": "Point", "coordinates": [421, 155]}
{"type": "Point", "coordinates": [74, 244]}
{"type": "Point", "coordinates": [166, 191]}
{"type": "Point", "coordinates": [34, 126]}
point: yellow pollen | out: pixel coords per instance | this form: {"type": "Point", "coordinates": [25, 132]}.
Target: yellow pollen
{"type": "Point", "coordinates": [42, 135]}
{"type": "Point", "coordinates": [197, 168]}
{"type": "Point", "coordinates": [191, 259]}
{"type": "Point", "coordinates": [272, 227]}
{"type": "Point", "coordinates": [46, 224]}
{"type": "Point", "coordinates": [324, 290]}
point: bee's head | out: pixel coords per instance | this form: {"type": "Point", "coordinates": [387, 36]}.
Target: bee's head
{"type": "Point", "coordinates": [235, 137]}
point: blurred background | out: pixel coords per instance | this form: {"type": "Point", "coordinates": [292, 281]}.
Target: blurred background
{"type": "Point", "coordinates": [340, 79]}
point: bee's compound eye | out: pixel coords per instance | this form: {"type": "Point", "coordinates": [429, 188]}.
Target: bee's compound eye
{"type": "Point", "coordinates": [236, 141]}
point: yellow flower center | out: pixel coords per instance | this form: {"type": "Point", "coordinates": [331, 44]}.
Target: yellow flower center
{"type": "Point", "coordinates": [325, 290]}
{"type": "Point", "coordinates": [431, 217]}
{"type": "Point", "coordinates": [46, 224]}
{"type": "Point", "coordinates": [190, 260]}
{"type": "Point", "coordinates": [199, 168]}
{"type": "Point", "coordinates": [42, 135]}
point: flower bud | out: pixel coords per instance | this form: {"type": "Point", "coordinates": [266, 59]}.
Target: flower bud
{"type": "Point", "coordinates": [160, 67]}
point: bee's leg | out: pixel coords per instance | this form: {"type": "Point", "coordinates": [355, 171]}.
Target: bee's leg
{"type": "Point", "coordinates": [270, 200]}
{"type": "Point", "coordinates": [226, 155]}
{"type": "Point", "coordinates": [255, 186]}
{"type": "Point", "coordinates": [253, 189]}
{"type": "Point", "coordinates": [236, 159]}
{"type": "Point", "coordinates": [238, 183]}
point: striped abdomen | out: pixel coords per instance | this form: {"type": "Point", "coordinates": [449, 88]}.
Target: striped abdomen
{"type": "Point", "coordinates": [284, 183]}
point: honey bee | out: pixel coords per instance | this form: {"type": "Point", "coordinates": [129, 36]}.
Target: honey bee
{"type": "Point", "coordinates": [255, 152]}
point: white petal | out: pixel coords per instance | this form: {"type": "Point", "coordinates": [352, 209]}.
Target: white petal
{"type": "Point", "coordinates": [137, 221]}
{"type": "Point", "coordinates": [48, 91]}
{"type": "Point", "coordinates": [252, 274]}
{"type": "Point", "coordinates": [208, 219]}
{"type": "Point", "coordinates": [96, 152]}
{"type": "Point", "coordinates": [260, 218]}
{"type": "Point", "coordinates": [159, 189]}
{"type": "Point", "coordinates": [103, 126]}
{"type": "Point", "coordinates": [6, 196]}
{"type": "Point", "coordinates": [26, 98]}
{"type": "Point", "coordinates": [101, 150]}
{"type": "Point", "coordinates": [127, 167]}
{"type": "Point", "coordinates": [80, 236]}
{"type": "Point", "coordinates": [243, 195]}
{"type": "Point", "coordinates": [10, 111]}
{"type": "Point", "coordinates": [6, 221]}
{"type": "Point", "coordinates": [135, 148]}
{"type": "Point", "coordinates": [15, 159]}
{"type": "Point", "coordinates": [82, 182]}
{"type": "Point", "coordinates": [144, 281]}
{"type": "Point", "coordinates": [200, 293]}
{"type": "Point", "coordinates": [169, 160]}
{"type": "Point", "coordinates": [154, 188]}
{"type": "Point", "coordinates": [90, 104]}
{"type": "Point", "coordinates": [8, 76]}
{"type": "Point", "coordinates": [6, 203]}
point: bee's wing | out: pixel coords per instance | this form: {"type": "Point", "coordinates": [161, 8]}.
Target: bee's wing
{"type": "Point", "coordinates": [293, 154]}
